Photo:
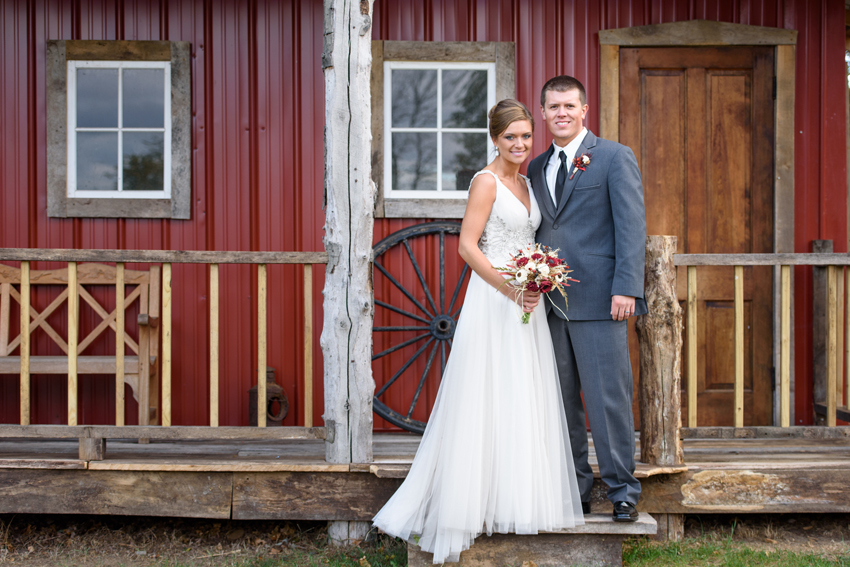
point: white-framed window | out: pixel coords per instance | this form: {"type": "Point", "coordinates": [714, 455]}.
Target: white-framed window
{"type": "Point", "coordinates": [435, 127]}
{"type": "Point", "coordinates": [119, 129]}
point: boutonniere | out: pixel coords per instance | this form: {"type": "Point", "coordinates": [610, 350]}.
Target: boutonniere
{"type": "Point", "coordinates": [581, 162]}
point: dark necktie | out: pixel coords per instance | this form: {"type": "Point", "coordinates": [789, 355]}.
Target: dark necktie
{"type": "Point", "coordinates": [561, 179]}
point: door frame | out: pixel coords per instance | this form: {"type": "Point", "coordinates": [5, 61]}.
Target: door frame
{"type": "Point", "coordinates": [705, 33]}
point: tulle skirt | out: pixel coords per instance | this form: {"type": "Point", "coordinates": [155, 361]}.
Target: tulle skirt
{"type": "Point", "coordinates": [495, 456]}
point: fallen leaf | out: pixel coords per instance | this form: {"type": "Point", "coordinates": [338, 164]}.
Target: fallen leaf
{"type": "Point", "coordinates": [364, 562]}
{"type": "Point", "coordinates": [274, 551]}
{"type": "Point", "coordinates": [808, 527]}
{"type": "Point", "coordinates": [768, 540]}
{"type": "Point", "coordinates": [235, 534]}
{"type": "Point", "coordinates": [529, 564]}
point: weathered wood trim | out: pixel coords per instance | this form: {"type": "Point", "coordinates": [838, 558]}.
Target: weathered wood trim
{"type": "Point", "coordinates": [503, 54]}
{"type": "Point", "coordinates": [114, 50]}
{"type": "Point", "coordinates": [813, 259]}
{"type": "Point", "coordinates": [157, 432]}
{"type": "Point", "coordinates": [739, 346]}
{"type": "Point", "coordinates": [697, 33]}
{"type": "Point", "coordinates": [841, 413]}
{"type": "Point", "coordinates": [766, 432]}
{"type": "Point", "coordinates": [609, 92]}
{"type": "Point", "coordinates": [160, 256]}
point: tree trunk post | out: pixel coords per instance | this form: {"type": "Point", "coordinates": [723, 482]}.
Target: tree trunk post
{"type": "Point", "coordinates": [349, 213]}
{"type": "Point", "coordinates": [660, 338]}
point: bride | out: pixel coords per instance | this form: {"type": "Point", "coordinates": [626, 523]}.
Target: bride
{"type": "Point", "coordinates": [495, 456]}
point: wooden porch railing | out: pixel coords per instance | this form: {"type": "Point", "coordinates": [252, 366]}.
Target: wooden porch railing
{"type": "Point", "coordinates": [92, 436]}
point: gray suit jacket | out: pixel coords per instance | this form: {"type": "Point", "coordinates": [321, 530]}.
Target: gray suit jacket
{"type": "Point", "coordinates": [600, 227]}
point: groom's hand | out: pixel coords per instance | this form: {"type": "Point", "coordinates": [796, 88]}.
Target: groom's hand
{"type": "Point", "coordinates": [622, 307]}
{"type": "Point", "coordinates": [530, 299]}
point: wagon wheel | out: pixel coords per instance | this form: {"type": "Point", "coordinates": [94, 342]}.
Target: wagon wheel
{"type": "Point", "coordinates": [431, 317]}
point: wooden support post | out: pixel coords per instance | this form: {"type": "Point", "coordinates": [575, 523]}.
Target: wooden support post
{"type": "Point", "coordinates": [166, 345]}
{"type": "Point", "coordinates": [92, 449]}
{"type": "Point", "coordinates": [692, 346]}
{"type": "Point", "coordinates": [846, 382]}
{"type": "Point", "coordinates": [660, 339]}
{"type": "Point", "coordinates": [119, 345]}
{"type": "Point", "coordinates": [671, 527]}
{"type": "Point", "coordinates": [308, 345]}
{"type": "Point", "coordinates": [25, 343]}
{"type": "Point", "coordinates": [214, 345]}
{"type": "Point", "coordinates": [154, 310]}
{"type": "Point", "coordinates": [262, 344]}
{"type": "Point", "coordinates": [739, 346]}
{"type": "Point", "coordinates": [785, 350]}
{"type": "Point", "coordinates": [820, 294]}
{"type": "Point", "coordinates": [831, 345]}
{"type": "Point", "coordinates": [73, 314]}
{"type": "Point", "coordinates": [349, 218]}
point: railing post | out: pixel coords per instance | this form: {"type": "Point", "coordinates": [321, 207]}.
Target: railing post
{"type": "Point", "coordinates": [119, 345]}
{"type": "Point", "coordinates": [820, 292]}
{"type": "Point", "coordinates": [660, 338]}
{"type": "Point", "coordinates": [739, 346]}
{"type": "Point", "coordinates": [25, 343]}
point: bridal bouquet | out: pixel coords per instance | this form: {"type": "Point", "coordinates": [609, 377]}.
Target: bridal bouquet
{"type": "Point", "coordinates": [538, 268]}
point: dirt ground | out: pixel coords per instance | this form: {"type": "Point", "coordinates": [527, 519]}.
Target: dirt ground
{"type": "Point", "coordinates": [132, 541]}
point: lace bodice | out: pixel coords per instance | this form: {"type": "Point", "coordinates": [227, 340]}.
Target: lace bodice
{"type": "Point", "coordinates": [510, 226]}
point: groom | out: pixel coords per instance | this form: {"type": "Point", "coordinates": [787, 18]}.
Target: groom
{"type": "Point", "coordinates": [591, 198]}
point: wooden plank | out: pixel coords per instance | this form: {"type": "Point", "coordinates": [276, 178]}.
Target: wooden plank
{"type": "Point", "coordinates": [310, 496]}
{"type": "Point", "coordinates": [119, 344]}
{"type": "Point", "coordinates": [98, 50]}
{"type": "Point", "coordinates": [185, 494]}
{"type": "Point", "coordinates": [40, 320]}
{"type": "Point", "coordinates": [308, 345]}
{"type": "Point", "coordinates": [108, 319]}
{"type": "Point", "coordinates": [840, 413]}
{"type": "Point", "coordinates": [62, 464]}
{"type": "Point", "coordinates": [609, 92]}
{"type": "Point", "coordinates": [846, 342]}
{"type": "Point", "coordinates": [832, 259]}
{"type": "Point", "coordinates": [91, 273]}
{"type": "Point", "coordinates": [214, 345]}
{"type": "Point", "coordinates": [59, 364]}
{"type": "Point", "coordinates": [783, 156]}
{"type": "Point", "coordinates": [154, 310]}
{"type": "Point", "coordinates": [831, 345]}
{"type": "Point", "coordinates": [161, 256]}
{"type": "Point", "coordinates": [839, 337]}
{"type": "Point", "coordinates": [92, 449]}
{"type": "Point", "coordinates": [739, 346]}
{"type": "Point", "coordinates": [173, 465]}
{"type": "Point", "coordinates": [697, 33]}
{"type": "Point", "coordinates": [692, 346]}
{"type": "Point", "coordinates": [765, 432]}
{"type": "Point", "coordinates": [5, 313]}
{"type": "Point", "coordinates": [159, 432]}
{"type": "Point", "coordinates": [166, 344]}
{"type": "Point", "coordinates": [452, 51]}
{"type": "Point", "coordinates": [143, 393]}
{"type": "Point", "coordinates": [25, 344]}
{"type": "Point", "coordinates": [785, 350]}
{"type": "Point", "coordinates": [73, 314]}
{"type": "Point", "coordinates": [262, 343]}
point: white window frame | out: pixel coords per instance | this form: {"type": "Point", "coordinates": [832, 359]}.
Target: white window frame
{"type": "Point", "coordinates": [121, 193]}
{"type": "Point", "coordinates": [439, 66]}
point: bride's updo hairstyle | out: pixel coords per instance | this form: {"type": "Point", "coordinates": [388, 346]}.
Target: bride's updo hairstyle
{"type": "Point", "coordinates": [506, 112]}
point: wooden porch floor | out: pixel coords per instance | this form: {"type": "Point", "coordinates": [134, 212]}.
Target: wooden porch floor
{"type": "Point", "coordinates": [291, 480]}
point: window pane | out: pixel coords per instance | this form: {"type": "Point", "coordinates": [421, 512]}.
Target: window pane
{"type": "Point", "coordinates": [463, 156]}
{"type": "Point", "coordinates": [144, 106]}
{"type": "Point", "coordinates": [414, 161]}
{"type": "Point", "coordinates": [97, 98]}
{"type": "Point", "coordinates": [414, 98]}
{"type": "Point", "coordinates": [464, 99]}
{"type": "Point", "coordinates": [143, 161]}
{"type": "Point", "coordinates": [97, 161]}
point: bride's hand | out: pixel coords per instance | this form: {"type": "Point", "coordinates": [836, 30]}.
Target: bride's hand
{"type": "Point", "coordinates": [528, 299]}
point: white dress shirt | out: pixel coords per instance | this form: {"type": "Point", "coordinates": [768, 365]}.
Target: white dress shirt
{"type": "Point", "coordinates": [555, 161]}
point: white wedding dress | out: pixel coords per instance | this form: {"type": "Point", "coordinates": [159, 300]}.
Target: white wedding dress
{"type": "Point", "coordinates": [495, 456]}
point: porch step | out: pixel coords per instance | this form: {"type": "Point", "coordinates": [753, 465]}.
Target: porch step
{"type": "Point", "coordinates": [599, 542]}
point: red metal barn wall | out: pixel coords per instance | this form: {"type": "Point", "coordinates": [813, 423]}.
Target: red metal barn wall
{"type": "Point", "coordinates": [555, 38]}
{"type": "Point", "coordinates": [257, 177]}
{"type": "Point", "coordinates": [257, 155]}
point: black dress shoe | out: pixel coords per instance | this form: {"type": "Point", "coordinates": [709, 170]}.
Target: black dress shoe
{"type": "Point", "coordinates": [585, 508]}
{"type": "Point", "coordinates": [625, 512]}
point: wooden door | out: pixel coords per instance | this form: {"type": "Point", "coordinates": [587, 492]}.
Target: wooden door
{"type": "Point", "coordinates": [700, 121]}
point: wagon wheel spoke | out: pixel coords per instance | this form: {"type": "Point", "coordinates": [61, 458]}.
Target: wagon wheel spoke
{"type": "Point", "coordinates": [400, 328]}
{"type": "Point", "coordinates": [442, 359]}
{"type": "Point", "coordinates": [422, 381]}
{"type": "Point", "coordinates": [457, 289]}
{"type": "Point", "coordinates": [402, 369]}
{"type": "Point", "coordinates": [442, 272]}
{"type": "Point", "coordinates": [401, 311]}
{"type": "Point", "coordinates": [402, 288]}
{"type": "Point", "coordinates": [420, 276]}
{"type": "Point", "coordinates": [399, 346]}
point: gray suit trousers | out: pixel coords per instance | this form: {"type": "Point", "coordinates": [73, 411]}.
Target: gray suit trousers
{"type": "Point", "coordinates": [605, 376]}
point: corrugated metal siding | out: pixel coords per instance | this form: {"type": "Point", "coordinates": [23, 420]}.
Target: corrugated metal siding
{"type": "Point", "coordinates": [257, 185]}
{"type": "Point", "coordinates": [257, 154]}
{"type": "Point", "coordinates": [562, 37]}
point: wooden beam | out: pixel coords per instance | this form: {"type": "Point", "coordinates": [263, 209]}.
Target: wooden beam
{"type": "Point", "coordinates": [73, 323]}
{"type": "Point", "coordinates": [660, 338]}
{"type": "Point", "coordinates": [785, 350]}
{"type": "Point", "coordinates": [166, 344]}
{"type": "Point", "coordinates": [831, 345]}
{"type": "Point", "coordinates": [158, 432]}
{"type": "Point", "coordinates": [697, 33]}
{"type": "Point", "coordinates": [739, 346]}
{"type": "Point", "coordinates": [609, 92]}
{"type": "Point", "coordinates": [162, 256]}
{"type": "Point", "coordinates": [262, 344]}
{"type": "Point", "coordinates": [692, 346]}
{"type": "Point", "coordinates": [25, 343]}
{"type": "Point", "coordinates": [814, 259]}
{"type": "Point", "coordinates": [119, 345]}
{"type": "Point", "coordinates": [308, 345]}
{"type": "Point", "coordinates": [214, 345]}
{"type": "Point", "coordinates": [766, 432]}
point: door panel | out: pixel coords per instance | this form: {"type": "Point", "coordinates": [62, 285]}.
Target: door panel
{"type": "Point", "coordinates": [700, 121]}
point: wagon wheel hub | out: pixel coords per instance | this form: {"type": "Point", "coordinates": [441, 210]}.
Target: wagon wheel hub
{"type": "Point", "coordinates": [443, 327]}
